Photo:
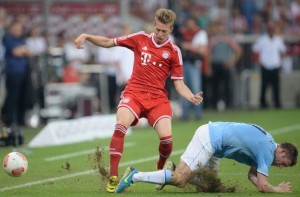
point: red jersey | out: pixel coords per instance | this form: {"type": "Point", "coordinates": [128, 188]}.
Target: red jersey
{"type": "Point", "coordinates": [153, 63]}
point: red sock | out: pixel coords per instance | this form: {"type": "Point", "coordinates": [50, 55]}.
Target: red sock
{"type": "Point", "coordinates": [116, 148]}
{"type": "Point", "coordinates": [165, 149]}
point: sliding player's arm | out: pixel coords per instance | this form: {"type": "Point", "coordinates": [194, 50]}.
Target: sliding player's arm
{"type": "Point", "coordinates": [260, 181]}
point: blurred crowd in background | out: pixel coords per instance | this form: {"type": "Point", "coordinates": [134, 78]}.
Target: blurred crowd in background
{"type": "Point", "coordinates": [47, 30]}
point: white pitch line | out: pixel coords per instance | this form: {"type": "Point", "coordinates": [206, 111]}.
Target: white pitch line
{"type": "Point", "coordinates": [65, 156]}
{"type": "Point", "coordinates": [277, 131]}
{"type": "Point", "coordinates": [285, 129]}
{"type": "Point", "coordinates": [85, 152]}
{"type": "Point", "coordinates": [81, 173]}
{"type": "Point", "coordinates": [246, 174]}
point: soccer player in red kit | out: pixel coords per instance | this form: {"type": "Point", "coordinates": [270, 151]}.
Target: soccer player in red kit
{"type": "Point", "coordinates": [155, 58]}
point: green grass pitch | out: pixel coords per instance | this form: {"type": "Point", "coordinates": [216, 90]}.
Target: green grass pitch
{"type": "Point", "coordinates": [49, 175]}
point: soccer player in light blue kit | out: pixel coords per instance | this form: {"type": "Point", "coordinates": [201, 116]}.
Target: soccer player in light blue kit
{"type": "Point", "coordinates": [246, 143]}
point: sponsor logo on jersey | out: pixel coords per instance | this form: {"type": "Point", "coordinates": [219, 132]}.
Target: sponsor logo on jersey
{"type": "Point", "coordinates": [145, 58]}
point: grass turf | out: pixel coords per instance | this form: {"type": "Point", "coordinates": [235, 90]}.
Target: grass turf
{"type": "Point", "coordinates": [76, 176]}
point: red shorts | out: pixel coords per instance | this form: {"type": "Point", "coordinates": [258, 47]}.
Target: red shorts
{"type": "Point", "coordinates": [146, 105]}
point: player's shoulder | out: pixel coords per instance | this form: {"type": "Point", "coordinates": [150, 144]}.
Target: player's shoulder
{"type": "Point", "coordinates": [141, 34]}
{"type": "Point", "coordinates": [136, 37]}
{"type": "Point", "coordinates": [174, 46]}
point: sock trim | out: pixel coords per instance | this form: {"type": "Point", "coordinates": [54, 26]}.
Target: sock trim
{"type": "Point", "coordinates": [121, 128]}
{"type": "Point", "coordinates": [166, 140]}
{"type": "Point", "coordinates": [168, 175]}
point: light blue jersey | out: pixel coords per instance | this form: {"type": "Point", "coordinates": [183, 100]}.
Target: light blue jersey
{"type": "Point", "coordinates": [246, 143]}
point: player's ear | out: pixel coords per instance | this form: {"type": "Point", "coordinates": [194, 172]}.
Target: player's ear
{"type": "Point", "coordinates": [283, 151]}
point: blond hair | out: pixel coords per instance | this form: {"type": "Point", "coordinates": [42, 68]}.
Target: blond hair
{"type": "Point", "coordinates": [165, 16]}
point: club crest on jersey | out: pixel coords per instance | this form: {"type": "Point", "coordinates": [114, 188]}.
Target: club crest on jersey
{"type": "Point", "coordinates": [165, 54]}
{"type": "Point", "coordinates": [125, 100]}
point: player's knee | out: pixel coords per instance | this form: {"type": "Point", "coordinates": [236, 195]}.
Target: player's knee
{"type": "Point", "coordinates": [178, 180]}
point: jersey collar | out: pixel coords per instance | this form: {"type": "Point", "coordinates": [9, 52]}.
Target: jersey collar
{"type": "Point", "coordinates": [159, 45]}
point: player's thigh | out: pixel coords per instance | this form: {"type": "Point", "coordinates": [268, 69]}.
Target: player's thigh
{"type": "Point", "coordinates": [164, 127]}
{"type": "Point", "coordinates": [199, 151]}
{"type": "Point", "coordinates": [129, 110]}
{"type": "Point", "coordinates": [160, 114]}
{"type": "Point", "coordinates": [125, 116]}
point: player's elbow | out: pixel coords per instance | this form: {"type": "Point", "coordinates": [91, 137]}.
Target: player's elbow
{"type": "Point", "coordinates": [262, 188]}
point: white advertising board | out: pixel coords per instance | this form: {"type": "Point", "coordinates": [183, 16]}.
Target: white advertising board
{"type": "Point", "coordinates": [62, 132]}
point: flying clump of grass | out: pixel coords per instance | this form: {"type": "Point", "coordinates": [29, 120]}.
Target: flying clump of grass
{"type": "Point", "coordinates": [210, 183]}
{"type": "Point", "coordinates": [100, 165]}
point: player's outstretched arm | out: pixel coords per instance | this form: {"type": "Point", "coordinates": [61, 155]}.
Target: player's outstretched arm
{"type": "Point", "coordinates": [186, 93]}
{"type": "Point", "coordinates": [100, 41]}
{"type": "Point", "coordinates": [261, 182]}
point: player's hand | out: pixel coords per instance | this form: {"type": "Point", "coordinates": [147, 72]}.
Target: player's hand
{"type": "Point", "coordinates": [197, 99]}
{"type": "Point", "coordinates": [79, 41]}
{"type": "Point", "coordinates": [285, 187]}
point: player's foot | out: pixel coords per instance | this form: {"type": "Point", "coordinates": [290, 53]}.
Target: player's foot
{"type": "Point", "coordinates": [126, 181]}
{"type": "Point", "coordinates": [170, 166]}
{"type": "Point", "coordinates": [112, 184]}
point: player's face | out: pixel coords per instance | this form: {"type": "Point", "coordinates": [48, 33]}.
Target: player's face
{"type": "Point", "coordinates": [161, 32]}
{"type": "Point", "coordinates": [281, 160]}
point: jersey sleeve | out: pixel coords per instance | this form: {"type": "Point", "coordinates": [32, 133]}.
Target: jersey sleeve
{"type": "Point", "coordinates": [264, 162]}
{"type": "Point", "coordinates": [128, 41]}
{"type": "Point", "coordinates": [176, 64]}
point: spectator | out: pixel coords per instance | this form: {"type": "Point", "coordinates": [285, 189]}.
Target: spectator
{"type": "Point", "coordinates": [3, 26]}
{"type": "Point", "coordinates": [193, 43]}
{"type": "Point", "coordinates": [186, 7]}
{"type": "Point", "coordinates": [220, 12]}
{"type": "Point", "coordinates": [295, 8]}
{"type": "Point", "coordinates": [16, 71]}
{"type": "Point", "coordinates": [36, 43]}
{"type": "Point", "coordinates": [109, 58]}
{"type": "Point", "coordinates": [124, 64]}
{"type": "Point", "coordinates": [74, 59]}
{"type": "Point", "coordinates": [224, 54]}
{"type": "Point", "coordinates": [281, 10]}
{"type": "Point", "coordinates": [293, 31]}
{"type": "Point", "coordinates": [56, 58]}
{"type": "Point", "coordinates": [257, 24]}
{"type": "Point", "coordinates": [202, 16]}
{"type": "Point", "coordinates": [238, 23]}
{"type": "Point", "coordinates": [248, 9]}
{"type": "Point", "coordinates": [270, 49]}
{"type": "Point", "coordinates": [267, 11]}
